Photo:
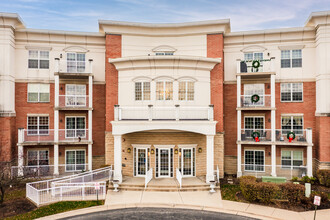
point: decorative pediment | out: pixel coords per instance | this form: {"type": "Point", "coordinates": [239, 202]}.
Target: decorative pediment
{"type": "Point", "coordinates": [187, 78]}
{"type": "Point", "coordinates": [253, 48]}
{"type": "Point", "coordinates": [76, 49]}
{"type": "Point", "coordinates": [164, 48]}
{"type": "Point", "coordinates": [142, 79]}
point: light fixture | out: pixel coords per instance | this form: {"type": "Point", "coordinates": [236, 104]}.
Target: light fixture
{"type": "Point", "coordinates": [200, 150]}
{"type": "Point", "coordinates": [129, 150]}
{"type": "Point", "coordinates": [176, 151]}
{"type": "Point", "coordinates": [152, 151]}
{"type": "Point", "coordinates": [148, 153]}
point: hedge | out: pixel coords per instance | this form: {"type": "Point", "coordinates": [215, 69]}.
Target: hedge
{"type": "Point", "coordinates": [324, 177]}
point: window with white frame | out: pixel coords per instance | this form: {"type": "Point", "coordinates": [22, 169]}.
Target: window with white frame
{"type": "Point", "coordinates": [142, 91]}
{"type": "Point", "coordinates": [252, 124]}
{"type": "Point", "coordinates": [292, 123]}
{"type": "Point", "coordinates": [37, 157]}
{"type": "Point", "coordinates": [254, 89]}
{"type": "Point", "coordinates": [75, 160]}
{"type": "Point", "coordinates": [291, 158]}
{"type": "Point", "coordinates": [38, 92]}
{"type": "Point", "coordinates": [38, 59]}
{"type": "Point", "coordinates": [76, 62]}
{"type": "Point", "coordinates": [75, 95]}
{"type": "Point", "coordinates": [164, 90]}
{"type": "Point", "coordinates": [75, 127]}
{"type": "Point", "coordinates": [38, 125]}
{"type": "Point", "coordinates": [291, 92]}
{"type": "Point", "coordinates": [254, 160]}
{"type": "Point", "coordinates": [254, 56]}
{"type": "Point", "coordinates": [291, 58]}
{"type": "Point", "coordinates": [186, 90]}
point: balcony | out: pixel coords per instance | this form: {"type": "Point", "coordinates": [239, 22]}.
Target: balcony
{"type": "Point", "coordinates": [249, 67]}
{"type": "Point", "coordinates": [73, 68]}
{"type": "Point", "coordinates": [47, 136]}
{"type": "Point", "coordinates": [301, 137]}
{"type": "Point", "coordinates": [73, 102]}
{"type": "Point", "coordinates": [170, 113]}
{"type": "Point", "coordinates": [264, 102]}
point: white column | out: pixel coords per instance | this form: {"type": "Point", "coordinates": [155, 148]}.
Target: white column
{"type": "Point", "coordinates": [238, 91]}
{"type": "Point", "coordinates": [20, 160]}
{"type": "Point", "coordinates": [90, 157]}
{"type": "Point", "coordinates": [239, 160]}
{"type": "Point", "coordinates": [117, 158]}
{"type": "Point", "coordinates": [309, 137]}
{"type": "Point", "coordinates": [90, 91]}
{"type": "Point", "coordinates": [273, 160]}
{"type": "Point", "coordinates": [209, 158]}
{"type": "Point", "coordinates": [56, 159]}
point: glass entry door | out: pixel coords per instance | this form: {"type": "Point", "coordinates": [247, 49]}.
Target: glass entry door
{"type": "Point", "coordinates": [164, 162]}
{"type": "Point", "coordinates": [141, 161]}
{"type": "Point", "coordinates": [187, 162]}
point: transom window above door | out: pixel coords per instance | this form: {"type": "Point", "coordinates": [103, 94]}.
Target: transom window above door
{"type": "Point", "coordinates": [164, 90]}
{"type": "Point", "coordinates": [76, 62]}
{"type": "Point", "coordinates": [75, 95]}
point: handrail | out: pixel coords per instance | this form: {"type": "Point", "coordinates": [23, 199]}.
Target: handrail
{"type": "Point", "coordinates": [148, 177]}
{"type": "Point", "coordinates": [179, 177]}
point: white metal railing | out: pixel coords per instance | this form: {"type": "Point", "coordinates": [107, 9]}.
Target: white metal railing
{"type": "Point", "coordinates": [281, 170]}
{"type": "Point", "coordinates": [179, 177]}
{"type": "Point", "coordinates": [46, 170]}
{"type": "Point", "coordinates": [73, 101]}
{"type": "Point", "coordinates": [163, 113]}
{"type": "Point", "coordinates": [217, 174]}
{"type": "Point", "coordinates": [264, 101]}
{"type": "Point", "coordinates": [148, 177]}
{"type": "Point", "coordinates": [65, 66]}
{"type": "Point", "coordinates": [246, 66]}
{"type": "Point", "coordinates": [48, 135]}
{"type": "Point", "coordinates": [75, 187]}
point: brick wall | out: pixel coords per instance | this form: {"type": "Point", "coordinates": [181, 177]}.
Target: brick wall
{"type": "Point", "coordinates": [113, 50]}
{"type": "Point", "coordinates": [323, 140]}
{"type": "Point", "coordinates": [7, 138]}
{"type": "Point", "coordinates": [215, 50]}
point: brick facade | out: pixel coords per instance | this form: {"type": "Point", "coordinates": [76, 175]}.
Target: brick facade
{"type": "Point", "coordinates": [7, 138]}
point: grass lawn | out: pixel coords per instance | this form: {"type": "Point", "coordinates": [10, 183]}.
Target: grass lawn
{"type": "Point", "coordinates": [229, 191]}
{"type": "Point", "coordinates": [56, 208]}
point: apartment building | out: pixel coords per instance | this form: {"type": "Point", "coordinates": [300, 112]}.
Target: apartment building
{"type": "Point", "coordinates": [162, 100]}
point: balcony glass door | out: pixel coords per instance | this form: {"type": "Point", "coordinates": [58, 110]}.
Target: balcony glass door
{"type": "Point", "coordinates": [75, 95]}
{"type": "Point", "coordinates": [254, 89]}
{"type": "Point", "coordinates": [75, 127]}
{"type": "Point", "coordinates": [187, 161]}
{"type": "Point", "coordinates": [164, 162]}
{"type": "Point", "coordinates": [141, 161]}
{"type": "Point", "coordinates": [76, 62]}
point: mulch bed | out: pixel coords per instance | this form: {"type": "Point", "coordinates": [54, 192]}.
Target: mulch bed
{"type": "Point", "coordinates": [15, 207]}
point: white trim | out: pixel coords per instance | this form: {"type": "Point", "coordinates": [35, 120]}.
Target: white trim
{"type": "Point", "coordinates": [291, 59]}
{"type": "Point", "coordinates": [142, 79]}
{"type": "Point", "coordinates": [77, 49]}
{"type": "Point", "coordinates": [254, 161]}
{"type": "Point", "coordinates": [69, 116]}
{"type": "Point", "coordinates": [294, 115]}
{"type": "Point", "coordinates": [137, 162]}
{"type": "Point", "coordinates": [291, 150]}
{"type": "Point", "coordinates": [38, 156]}
{"type": "Point", "coordinates": [38, 125]}
{"type": "Point", "coordinates": [164, 146]}
{"type": "Point", "coordinates": [252, 116]}
{"type": "Point", "coordinates": [187, 145]}
{"type": "Point", "coordinates": [141, 145]}
{"type": "Point", "coordinates": [193, 161]}
{"type": "Point", "coordinates": [254, 48]}
{"type": "Point", "coordinates": [38, 101]}
{"type": "Point", "coordinates": [75, 164]}
{"type": "Point", "coordinates": [302, 91]}
{"type": "Point", "coordinates": [291, 47]}
{"type": "Point", "coordinates": [42, 48]}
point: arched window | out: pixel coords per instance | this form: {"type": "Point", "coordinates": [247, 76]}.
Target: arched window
{"type": "Point", "coordinates": [164, 89]}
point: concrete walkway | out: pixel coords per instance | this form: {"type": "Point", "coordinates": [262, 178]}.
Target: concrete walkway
{"type": "Point", "coordinates": [199, 200]}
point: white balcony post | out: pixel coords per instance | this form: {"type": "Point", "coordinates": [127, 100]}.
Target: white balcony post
{"type": "Point", "coordinates": [116, 112]}
{"type": "Point", "coordinates": [309, 138]}
{"type": "Point", "coordinates": [57, 65]}
{"type": "Point", "coordinates": [273, 160]}
{"type": "Point", "coordinates": [90, 139]}
{"type": "Point", "coordinates": [272, 64]}
{"type": "Point", "coordinates": [177, 112]}
{"type": "Point", "coordinates": [239, 125]}
{"type": "Point", "coordinates": [117, 158]}
{"type": "Point", "coordinates": [272, 90]}
{"type": "Point", "coordinates": [150, 108]}
{"type": "Point", "coordinates": [20, 136]}
{"type": "Point", "coordinates": [211, 112]}
{"type": "Point", "coordinates": [239, 160]}
{"type": "Point", "coordinates": [238, 85]}
{"type": "Point", "coordinates": [20, 160]}
{"type": "Point", "coordinates": [90, 91]}
{"type": "Point", "coordinates": [56, 159]}
{"type": "Point", "coordinates": [209, 158]}
{"type": "Point", "coordinates": [57, 89]}
{"type": "Point", "coordinates": [90, 65]}
{"type": "Point", "coordinates": [238, 66]}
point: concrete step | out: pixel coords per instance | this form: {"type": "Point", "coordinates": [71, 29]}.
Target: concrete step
{"type": "Point", "coordinates": [162, 189]}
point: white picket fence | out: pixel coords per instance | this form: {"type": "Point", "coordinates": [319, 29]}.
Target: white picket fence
{"type": "Point", "coordinates": [71, 188]}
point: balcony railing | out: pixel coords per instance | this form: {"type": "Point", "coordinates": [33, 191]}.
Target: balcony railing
{"type": "Point", "coordinates": [48, 135]}
{"type": "Point", "coordinates": [288, 172]}
{"type": "Point", "coordinates": [73, 101]}
{"type": "Point", "coordinates": [65, 66]}
{"type": "Point", "coordinates": [164, 113]}
{"type": "Point", "coordinates": [246, 66]}
{"type": "Point", "coordinates": [281, 135]}
{"type": "Point", "coordinates": [264, 101]}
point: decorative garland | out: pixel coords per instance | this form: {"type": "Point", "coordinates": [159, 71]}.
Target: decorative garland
{"type": "Point", "coordinates": [255, 98]}
{"type": "Point", "coordinates": [255, 135]}
{"type": "Point", "coordinates": [291, 136]}
{"type": "Point", "coordinates": [256, 64]}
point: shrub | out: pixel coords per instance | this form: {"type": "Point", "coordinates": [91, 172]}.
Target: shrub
{"type": "Point", "coordinates": [311, 180]}
{"type": "Point", "coordinates": [248, 187]}
{"type": "Point", "coordinates": [293, 192]}
{"type": "Point", "coordinates": [324, 177]}
{"type": "Point", "coordinates": [294, 179]}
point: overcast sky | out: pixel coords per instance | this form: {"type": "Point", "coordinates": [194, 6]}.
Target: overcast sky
{"type": "Point", "coordinates": [83, 15]}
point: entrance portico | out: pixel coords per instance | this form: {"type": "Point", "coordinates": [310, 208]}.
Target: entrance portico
{"type": "Point", "coordinates": [164, 146]}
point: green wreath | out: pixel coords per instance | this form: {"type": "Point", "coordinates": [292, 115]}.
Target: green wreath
{"type": "Point", "coordinates": [255, 134]}
{"type": "Point", "coordinates": [291, 133]}
{"type": "Point", "coordinates": [255, 98]}
{"type": "Point", "coordinates": [256, 64]}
